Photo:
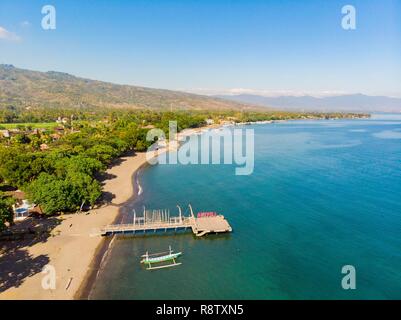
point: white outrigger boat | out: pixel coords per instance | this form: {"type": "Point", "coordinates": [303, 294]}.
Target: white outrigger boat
{"type": "Point", "coordinates": [158, 258]}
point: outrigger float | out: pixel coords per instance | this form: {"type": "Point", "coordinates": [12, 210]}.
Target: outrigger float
{"type": "Point", "coordinates": [162, 257]}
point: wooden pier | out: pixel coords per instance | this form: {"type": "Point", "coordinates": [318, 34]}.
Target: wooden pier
{"type": "Point", "coordinates": [160, 220]}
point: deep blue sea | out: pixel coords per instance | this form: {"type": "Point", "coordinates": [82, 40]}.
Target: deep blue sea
{"type": "Point", "coordinates": [323, 194]}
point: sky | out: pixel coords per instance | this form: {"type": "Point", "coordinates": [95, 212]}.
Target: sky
{"type": "Point", "coordinates": [265, 47]}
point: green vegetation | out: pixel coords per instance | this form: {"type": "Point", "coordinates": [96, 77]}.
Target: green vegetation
{"type": "Point", "coordinates": [26, 88]}
{"type": "Point", "coordinates": [28, 125]}
{"type": "Point", "coordinates": [57, 168]}
{"type": "Point", "coordinates": [56, 164]}
{"type": "Point", "coordinates": [6, 212]}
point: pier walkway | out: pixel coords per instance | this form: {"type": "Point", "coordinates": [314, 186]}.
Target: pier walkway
{"type": "Point", "coordinates": [160, 220]}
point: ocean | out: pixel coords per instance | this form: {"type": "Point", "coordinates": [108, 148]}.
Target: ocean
{"type": "Point", "coordinates": [323, 194]}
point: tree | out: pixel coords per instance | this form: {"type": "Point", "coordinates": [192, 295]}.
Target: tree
{"type": "Point", "coordinates": [52, 194]}
{"type": "Point", "coordinates": [6, 211]}
{"type": "Point", "coordinates": [18, 167]}
{"type": "Point", "coordinates": [79, 163]}
{"type": "Point", "coordinates": [21, 139]}
{"type": "Point", "coordinates": [84, 187]}
{"type": "Point", "coordinates": [140, 146]}
{"type": "Point", "coordinates": [63, 194]}
{"type": "Point", "coordinates": [102, 152]}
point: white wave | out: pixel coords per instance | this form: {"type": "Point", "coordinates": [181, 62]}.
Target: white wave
{"type": "Point", "coordinates": [139, 188]}
{"type": "Point", "coordinates": [388, 134]}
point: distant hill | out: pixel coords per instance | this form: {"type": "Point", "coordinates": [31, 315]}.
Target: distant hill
{"type": "Point", "coordinates": [342, 103]}
{"type": "Point", "coordinates": [20, 87]}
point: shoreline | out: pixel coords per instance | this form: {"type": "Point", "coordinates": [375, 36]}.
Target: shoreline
{"type": "Point", "coordinates": [89, 281]}
{"type": "Point", "coordinates": [74, 244]}
{"type": "Point", "coordinates": [74, 247]}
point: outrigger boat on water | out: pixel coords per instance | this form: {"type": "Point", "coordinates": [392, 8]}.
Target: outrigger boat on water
{"type": "Point", "coordinates": [159, 258]}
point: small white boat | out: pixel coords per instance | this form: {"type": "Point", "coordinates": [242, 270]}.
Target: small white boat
{"type": "Point", "coordinates": [162, 259]}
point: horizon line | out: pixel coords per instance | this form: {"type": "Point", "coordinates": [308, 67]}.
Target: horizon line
{"type": "Point", "coordinates": [228, 92]}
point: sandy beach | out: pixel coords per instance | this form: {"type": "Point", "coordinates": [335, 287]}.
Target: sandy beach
{"type": "Point", "coordinates": [73, 242]}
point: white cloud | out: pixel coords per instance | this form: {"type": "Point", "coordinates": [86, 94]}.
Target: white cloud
{"type": "Point", "coordinates": [7, 35]}
{"type": "Point", "coordinates": [25, 24]}
{"type": "Point", "coordinates": [265, 93]}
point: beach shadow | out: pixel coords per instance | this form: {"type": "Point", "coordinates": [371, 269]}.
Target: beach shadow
{"type": "Point", "coordinates": [120, 160]}
{"type": "Point", "coordinates": [16, 264]}
{"type": "Point", "coordinates": [116, 162]}
{"type": "Point", "coordinates": [103, 176]}
{"type": "Point", "coordinates": [106, 198]}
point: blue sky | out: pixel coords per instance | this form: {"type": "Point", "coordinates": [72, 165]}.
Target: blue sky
{"type": "Point", "coordinates": [267, 47]}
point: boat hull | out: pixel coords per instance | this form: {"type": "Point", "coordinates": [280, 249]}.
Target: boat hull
{"type": "Point", "coordinates": [161, 259]}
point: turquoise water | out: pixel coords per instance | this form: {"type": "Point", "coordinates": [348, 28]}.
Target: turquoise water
{"type": "Point", "coordinates": [323, 194]}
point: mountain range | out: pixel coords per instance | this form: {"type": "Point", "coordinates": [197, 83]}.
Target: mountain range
{"type": "Point", "coordinates": [21, 87]}
{"type": "Point", "coordinates": [340, 103]}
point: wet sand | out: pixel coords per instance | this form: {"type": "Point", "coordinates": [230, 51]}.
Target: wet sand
{"type": "Point", "coordinates": [75, 246]}
{"type": "Point", "coordinates": [75, 241]}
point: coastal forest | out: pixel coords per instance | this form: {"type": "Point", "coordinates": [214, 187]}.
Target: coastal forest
{"type": "Point", "coordinates": [59, 133]}
{"type": "Point", "coordinates": [57, 164]}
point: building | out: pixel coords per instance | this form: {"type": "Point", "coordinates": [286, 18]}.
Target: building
{"type": "Point", "coordinates": [227, 123]}
{"type": "Point", "coordinates": [5, 133]}
{"type": "Point", "coordinates": [149, 126]}
{"type": "Point", "coordinates": [61, 120]}
{"type": "Point", "coordinates": [22, 207]}
{"type": "Point", "coordinates": [44, 147]}
{"type": "Point", "coordinates": [55, 136]}
{"type": "Point", "coordinates": [21, 212]}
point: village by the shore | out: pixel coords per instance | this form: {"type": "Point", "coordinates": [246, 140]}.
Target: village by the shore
{"type": "Point", "coordinates": [70, 242]}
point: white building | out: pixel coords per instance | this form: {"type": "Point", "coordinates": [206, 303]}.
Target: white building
{"type": "Point", "coordinates": [5, 133]}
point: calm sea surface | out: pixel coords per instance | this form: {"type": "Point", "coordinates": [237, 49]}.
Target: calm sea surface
{"type": "Point", "coordinates": [323, 194]}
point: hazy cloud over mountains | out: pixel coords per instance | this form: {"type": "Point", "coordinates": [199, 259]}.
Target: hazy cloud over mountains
{"type": "Point", "coordinates": [348, 102]}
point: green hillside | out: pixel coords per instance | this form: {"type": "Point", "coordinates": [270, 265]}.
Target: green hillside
{"type": "Point", "coordinates": [26, 88]}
